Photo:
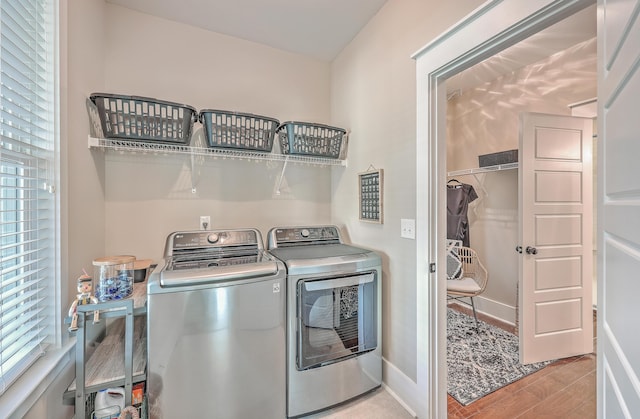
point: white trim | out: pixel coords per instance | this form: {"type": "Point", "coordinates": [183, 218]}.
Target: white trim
{"type": "Point", "coordinates": [400, 383]}
{"type": "Point", "coordinates": [60, 286]}
{"type": "Point", "coordinates": [27, 389]}
{"type": "Point", "coordinates": [491, 28]}
{"type": "Point", "coordinates": [497, 310]}
{"type": "Point", "coordinates": [621, 358]}
{"type": "Point", "coordinates": [583, 102]}
{"type": "Point", "coordinates": [494, 309]}
{"type": "Point", "coordinates": [455, 28]}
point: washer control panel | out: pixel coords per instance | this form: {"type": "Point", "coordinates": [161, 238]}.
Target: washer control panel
{"type": "Point", "coordinates": [191, 240]}
{"type": "Point", "coordinates": [300, 236]}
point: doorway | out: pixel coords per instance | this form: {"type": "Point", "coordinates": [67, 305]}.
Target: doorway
{"type": "Point", "coordinates": [490, 29]}
{"type": "Point", "coordinates": [482, 118]}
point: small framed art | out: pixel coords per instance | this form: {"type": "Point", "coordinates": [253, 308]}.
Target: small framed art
{"type": "Point", "coordinates": [370, 196]}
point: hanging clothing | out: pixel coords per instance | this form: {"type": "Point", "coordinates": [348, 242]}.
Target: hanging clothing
{"type": "Point", "coordinates": [459, 196]}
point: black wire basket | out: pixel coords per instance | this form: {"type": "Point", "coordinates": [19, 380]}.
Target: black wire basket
{"type": "Point", "coordinates": [309, 139]}
{"type": "Point", "coordinates": [144, 119]}
{"type": "Point", "coordinates": [244, 131]}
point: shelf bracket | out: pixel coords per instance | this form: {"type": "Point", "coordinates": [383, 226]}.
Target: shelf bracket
{"type": "Point", "coordinates": [480, 183]}
{"type": "Point", "coordinates": [193, 165]}
{"type": "Point", "coordinates": [284, 167]}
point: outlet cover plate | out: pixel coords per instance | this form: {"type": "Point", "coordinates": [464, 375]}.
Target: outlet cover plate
{"type": "Point", "coordinates": [408, 228]}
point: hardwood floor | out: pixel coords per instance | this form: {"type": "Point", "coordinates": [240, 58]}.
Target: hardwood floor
{"type": "Point", "coordinates": [565, 389]}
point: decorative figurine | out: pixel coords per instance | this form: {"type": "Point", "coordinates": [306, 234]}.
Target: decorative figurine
{"type": "Point", "coordinates": [85, 288]}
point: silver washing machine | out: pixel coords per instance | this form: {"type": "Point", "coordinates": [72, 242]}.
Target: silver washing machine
{"type": "Point", "coordinates": [216, 328]}
{"type": "Point", "coordinates": [334, 334]}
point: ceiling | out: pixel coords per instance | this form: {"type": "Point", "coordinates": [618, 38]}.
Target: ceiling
{"type": "Point", "coordinates": [573, 30]}
{"type": "Point", "coordinates": [315, 28]}
{"type": "Point", "coordinates": [322, 28]}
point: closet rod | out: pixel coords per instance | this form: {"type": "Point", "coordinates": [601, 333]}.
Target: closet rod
{"type": "Point", "coordinates": [475, 171]}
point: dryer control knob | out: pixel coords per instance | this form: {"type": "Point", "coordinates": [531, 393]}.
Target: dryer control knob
{"type": "Point", "coordinates": [304, 233]}
{"type": "Point", "coordinates": [213, 237]}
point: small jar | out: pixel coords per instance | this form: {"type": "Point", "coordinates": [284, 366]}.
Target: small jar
{"type": "Point", "coordinates": [113, 276]}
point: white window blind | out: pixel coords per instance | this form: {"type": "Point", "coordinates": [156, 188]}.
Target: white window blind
{"type": "Point", "coordinates": [27, 204]}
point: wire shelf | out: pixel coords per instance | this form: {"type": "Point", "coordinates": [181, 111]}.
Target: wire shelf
{"type": "Point", "coordinates": [160, 148]}
{"type": "Point", "coordinates": [486, 169]}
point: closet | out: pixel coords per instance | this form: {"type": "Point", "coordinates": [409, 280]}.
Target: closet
{"type": "Point", "coordinates": [483, 118]}
{"type": "Point", "coordinates": [493, 233]}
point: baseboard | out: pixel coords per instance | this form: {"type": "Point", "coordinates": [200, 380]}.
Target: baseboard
{"type": "Point", "coordinates": [402, 388]}
{"type": "Point", "coordinates": [491, 308]}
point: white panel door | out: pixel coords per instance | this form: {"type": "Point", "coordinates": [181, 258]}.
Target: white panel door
{"type": "Point", "coordinates": [556, 234]}
{"type": "Point", "coordinates": [618, 209]}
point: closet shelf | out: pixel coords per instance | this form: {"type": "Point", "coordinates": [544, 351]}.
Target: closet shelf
{"type": "Point", "coordinates": [159, 148]}
{"type": "Point", "coordinates": [486, 169]}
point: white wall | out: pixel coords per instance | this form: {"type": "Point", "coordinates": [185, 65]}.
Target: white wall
{"type": "Point", "coordinates": [484, 120]}
{"type": "Point", "coordinates": [84, 171]}
{"type": "Point", "coordinates": [374, 94]}
{"type": "Point", "coordinates": [149, 196]}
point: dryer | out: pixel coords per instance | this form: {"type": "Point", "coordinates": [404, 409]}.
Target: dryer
{"type": "Point", "coordinates": [333, 317]}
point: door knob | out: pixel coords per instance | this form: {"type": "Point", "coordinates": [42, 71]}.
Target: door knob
{"type": "Point", "coordinates": [531, 250]}
{"type": "Point", "coordinates": [519, 249]}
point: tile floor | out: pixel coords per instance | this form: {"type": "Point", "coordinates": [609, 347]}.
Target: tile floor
{"type": "Point", "coordinates": [376, 405]}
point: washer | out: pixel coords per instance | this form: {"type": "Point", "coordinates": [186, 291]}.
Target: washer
{"type": "Point", "coordinates": [216, 328]}
{"type": "Point", "coordinates": [334, 335]}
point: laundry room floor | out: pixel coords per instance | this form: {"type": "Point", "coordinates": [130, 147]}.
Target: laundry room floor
{"type": "Point", "coordinates": [377, 405]}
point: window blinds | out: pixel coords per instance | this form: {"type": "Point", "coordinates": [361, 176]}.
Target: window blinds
{"type": "Point", "coordinates": [27, 267]}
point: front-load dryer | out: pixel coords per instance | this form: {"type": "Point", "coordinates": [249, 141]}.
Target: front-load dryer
{"type": "Point", "coordinates": [334, 335]}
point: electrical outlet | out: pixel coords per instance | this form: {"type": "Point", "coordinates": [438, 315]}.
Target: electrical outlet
{"type": "Point", "coordinates": [408, 228]}
{"type": "Point", "coordinates": [205, 222]}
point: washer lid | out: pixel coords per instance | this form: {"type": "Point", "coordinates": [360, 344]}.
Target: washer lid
{"type": "Point", "coordinates": [286, 254]}
{"type": "Point", "coordinates": [314, 260]}
{"type": "Point", "coordinates": [218, 275]}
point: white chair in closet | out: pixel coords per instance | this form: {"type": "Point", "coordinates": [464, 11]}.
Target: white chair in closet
{"type": "Point", "coordinates": [466, 276]}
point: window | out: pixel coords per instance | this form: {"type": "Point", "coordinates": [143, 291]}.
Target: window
{"type": "Point", "coordinates": [27, 202]}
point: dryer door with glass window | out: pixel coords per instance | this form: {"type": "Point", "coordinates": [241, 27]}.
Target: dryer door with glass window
{"type": "Point", "coordinates": [336, 318]}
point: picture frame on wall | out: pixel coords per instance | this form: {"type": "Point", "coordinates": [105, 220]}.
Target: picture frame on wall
{"type": "Point", "coordinates": [370, 196]}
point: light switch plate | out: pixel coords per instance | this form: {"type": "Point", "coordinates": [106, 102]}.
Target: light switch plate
{"type": "Point", "coordinates": [408, 228]}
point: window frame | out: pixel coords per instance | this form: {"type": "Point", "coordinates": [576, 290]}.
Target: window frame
{"type": "Point", "coordinates": [21, 384]}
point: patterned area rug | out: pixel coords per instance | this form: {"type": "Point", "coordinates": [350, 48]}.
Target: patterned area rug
{"type": "Point", "coordinates": [481, 362]}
